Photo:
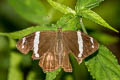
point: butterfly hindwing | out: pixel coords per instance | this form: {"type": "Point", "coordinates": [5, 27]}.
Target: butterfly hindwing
{"type": "Point", "coordinates": [49, 62]}
{"type": "Point", "coordinates": [66, 65]}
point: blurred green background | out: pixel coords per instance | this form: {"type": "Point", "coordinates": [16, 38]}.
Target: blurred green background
{"type": "Point", "coordinates": [11, 21]}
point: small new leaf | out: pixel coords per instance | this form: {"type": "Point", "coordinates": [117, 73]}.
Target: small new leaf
{"type": "Point", "coordinates": [68, 22]}
{"type": "Point", "coordinates": [104, 65]}
{"type": "Point", "coordinates": [91, 15]}
{"type": "Point", "coordinates": [87, 4]}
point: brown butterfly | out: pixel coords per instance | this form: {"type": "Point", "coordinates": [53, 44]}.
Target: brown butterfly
{"type": "Point", "coordinates": [52, 48]}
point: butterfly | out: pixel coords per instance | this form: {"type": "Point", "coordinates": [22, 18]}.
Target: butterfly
{"type": "Point", "coordinates": [52, 48]}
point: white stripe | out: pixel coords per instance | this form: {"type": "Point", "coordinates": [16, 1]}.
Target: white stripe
{"type": "Point", "coordinates": [36, 43]}
{"type": "Point", "coordinates": [23, 42]}
{"type": "Point", "coordinates": [80, 43]}
{"type": "Point", "coordinates": [91, 39]}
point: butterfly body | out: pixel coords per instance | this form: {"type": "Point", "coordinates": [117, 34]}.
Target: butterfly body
{"type": "Point", "coordinates": [52, 48]}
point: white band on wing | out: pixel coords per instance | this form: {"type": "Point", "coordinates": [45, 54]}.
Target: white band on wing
{"type": "Point", "coordinates": [36, 43]}
{"type": "Point", "coordinates": [91, 39]}
{"type": "Point", "coordinates": [23, 42]}
{"type": "Point", "coordinates": [80, 43]}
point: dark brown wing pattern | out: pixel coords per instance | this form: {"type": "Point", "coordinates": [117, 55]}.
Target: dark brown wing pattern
{"type": "Point", "coordinates": [80, 44]}
{"type": "Point", "coordinates": [52, 48]}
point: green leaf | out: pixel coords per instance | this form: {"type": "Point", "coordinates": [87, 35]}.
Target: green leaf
{"type": "Point", "coordinates": [52, 75]}
{"type": "Point", "coordinates": [62, 8]}
{"type": "Point", "coordinates": [104, 65]}
{"type": "Point", "coordinates": [14, 71]}
{"type": "Point", "coordinates": [31, 10]}
{"type": "Point", "coordinates": [68, 22]}
{"type": "Point", "coordinates": [55, 14]}
{"type": "Point", "coordinates": [64, 19]}
{"type": "Point", "coordinates": [22, 33]}
{"type": "Point", "coordinates": [91, 15]}
{"type": "Point", "coordinates": [87, 4]}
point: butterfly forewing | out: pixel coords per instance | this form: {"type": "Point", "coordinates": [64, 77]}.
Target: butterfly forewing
{"type": "Point", "coordinates": [26, 43]}
{"type": "Point", "coordinates": [90, 45]}
{"type": "Point", "coordinates": [80, 44]}
{"type": "Point", "coordinates": [49, 62]}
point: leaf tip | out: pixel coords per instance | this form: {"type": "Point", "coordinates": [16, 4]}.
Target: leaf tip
{"type": "Point", "coordinates": [116, 30]}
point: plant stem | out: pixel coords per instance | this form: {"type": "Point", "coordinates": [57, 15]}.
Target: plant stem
{"type": "Point", "coordinates": [82, 25]}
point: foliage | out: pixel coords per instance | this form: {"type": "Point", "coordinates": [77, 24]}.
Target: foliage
{"type": "Point", "coordinates": [89, 4]}
{"type": "Point", "coordinates": [104, 65]}
{"type": "Point", "coordinates": [22, 33]}
{"type": "Point", "coordinates": [101, 66]}
{"type": "Point", "coordinates": [91, 15]}
{"type": "Point", "coordinates": [61, 8]}
{"type": "Point", "coordinates": [52, 75]}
